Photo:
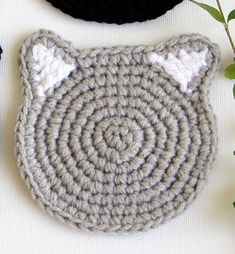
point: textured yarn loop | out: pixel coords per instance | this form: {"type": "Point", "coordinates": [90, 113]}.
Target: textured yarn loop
{"type": "Point", "coordinates": [110, 142]}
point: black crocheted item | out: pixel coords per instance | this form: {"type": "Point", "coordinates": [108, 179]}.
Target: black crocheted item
{"type": "Point", "coordinates": [115, 11]}
{"type": "Point", "coordinates": [0, 52]}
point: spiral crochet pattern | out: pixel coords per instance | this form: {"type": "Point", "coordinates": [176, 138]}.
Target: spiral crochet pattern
{"type": "Point", "coordinates": [115, 11]}
{"type": "Point", "coordinates": [107, 139]}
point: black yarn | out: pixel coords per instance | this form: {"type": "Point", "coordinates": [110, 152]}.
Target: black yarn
{"type": "Point", "coordinates": [115, 11]}
{"type": "Point", "coordinates": [0, 52]}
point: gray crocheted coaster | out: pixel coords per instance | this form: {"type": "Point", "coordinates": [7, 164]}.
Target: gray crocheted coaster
{"type": "Point", "coordinates": [116, 139]}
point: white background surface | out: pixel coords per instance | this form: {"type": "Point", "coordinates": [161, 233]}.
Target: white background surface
{"type": "Point", "coordinates": [207, 227]}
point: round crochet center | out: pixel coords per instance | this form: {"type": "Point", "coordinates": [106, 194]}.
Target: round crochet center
{"type": "Point", "coordinates": [107, 139]}
{"type": "Point", "coordinates": [115, 11]}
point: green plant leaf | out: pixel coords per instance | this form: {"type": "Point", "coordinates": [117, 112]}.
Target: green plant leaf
{"type": "Point", "coordinates": [213, 11]}
{"type": "Point", "coordinates": [234, 98]}
{"type": "Point", "coordinates": [230, 72]}
{"type": "Point", "coordinates": [231, 15]}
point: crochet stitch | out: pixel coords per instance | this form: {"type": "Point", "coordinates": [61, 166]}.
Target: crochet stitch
{"type": "Point", "coordinates": [109, 139]}
{"type": "Point", "coordinates": [115, 11]}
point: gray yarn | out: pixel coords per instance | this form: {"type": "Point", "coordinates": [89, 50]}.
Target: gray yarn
{"type": "Point", "coordinates": [116, 147]}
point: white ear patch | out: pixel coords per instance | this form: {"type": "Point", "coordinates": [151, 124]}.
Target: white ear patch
{"type": "Point", "coordinates": [51, 69]}
{"type": "Point", "coordinates": [183, 67]}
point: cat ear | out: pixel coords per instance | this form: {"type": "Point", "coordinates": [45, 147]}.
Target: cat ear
{"type": "Point", "coordinates": [45, 62]}
{"type": "Point", "coordinates": [50, 68]}
{"type": "Point", "coordinates": [192, 56]}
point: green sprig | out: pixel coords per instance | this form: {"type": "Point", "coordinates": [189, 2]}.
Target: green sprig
{"type": "Point", "coordinates": [212, 11]}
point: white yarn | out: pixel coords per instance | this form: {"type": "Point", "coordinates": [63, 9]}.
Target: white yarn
{"type": "Point", "coordinates": [51, 69]}
{"type": "Point", "coordinates": [184, 67]}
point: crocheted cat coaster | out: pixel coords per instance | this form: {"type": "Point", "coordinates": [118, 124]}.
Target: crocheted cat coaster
{"type": "Point", "coordinates": [115, 11]}
{"type": "Point", "coordinates": [116, 139]}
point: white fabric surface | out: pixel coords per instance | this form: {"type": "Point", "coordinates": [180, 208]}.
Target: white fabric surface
{"type": "Point", "coordinates": [208, 226]}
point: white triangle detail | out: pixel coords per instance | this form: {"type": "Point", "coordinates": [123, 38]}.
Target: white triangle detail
{"type": "Point", "coordinates": [183, 67]}
{"type": "Point", "coordinates": [50, 69]}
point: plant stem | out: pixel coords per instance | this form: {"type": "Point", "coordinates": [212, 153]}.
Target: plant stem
{"type": "Point", "coordinates": [226, 27]}
{"type": "Point", "coordinates": [230, 37]}
{"type": "Point", "coordinates": [220, 9]}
